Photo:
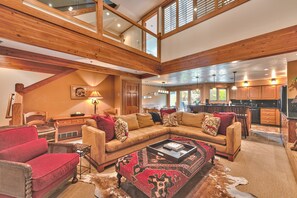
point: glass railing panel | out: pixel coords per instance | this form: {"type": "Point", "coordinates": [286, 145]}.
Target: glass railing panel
{"type": "Point", "coordinates": [151, 45]}
{"type": "Point", "coordinates": [79, 12]}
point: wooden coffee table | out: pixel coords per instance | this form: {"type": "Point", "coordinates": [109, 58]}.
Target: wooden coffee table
{"type": "Point", "coordinates": [158, 177]}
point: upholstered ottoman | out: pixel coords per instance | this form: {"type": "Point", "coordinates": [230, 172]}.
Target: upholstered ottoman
{"type": "Point", "coordinates": [158, 177]}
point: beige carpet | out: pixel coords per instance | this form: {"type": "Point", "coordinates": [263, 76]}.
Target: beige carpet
{"type": "Point", "coordinates": [264, 165]}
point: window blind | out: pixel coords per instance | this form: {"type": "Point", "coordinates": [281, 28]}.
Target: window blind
{"type": "Point", "coordinates": [222, 3]}
{"type": "Point", "coordinates": [185, 12]}
{"type": "Point", "coordinates": [170, 18]}
{"type": "Point", "coordinates": [204, 7]}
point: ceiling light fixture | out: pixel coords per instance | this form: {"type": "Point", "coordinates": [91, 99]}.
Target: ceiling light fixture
{"type": "Point", "coordinates": [266, 74]}
{"type": "Point", "coordinates": [266, 69]}
{"type": "Point", "coordinates": [107, 13]}
{"type": "Point", "coordinates": [234, 88]}
{"type": "Point", "coordinates": [70, 8]}
{"type": "Point", "coordinates": [50, 5]}
{"type": "Point", "coordinates": [273, 81]}
{"type": "Point", "coordinates": [234, 61]}
{"type": "Point", "coordinates": [195, 9]}
{"type": "Point", "coordinates": [162, 90]}
{"type": "Point", "coordinates": [197, 77]}
{"type": "Point", "coordinates": [119, 25]}
{"type": "Point", "coordinates": [245, 83]}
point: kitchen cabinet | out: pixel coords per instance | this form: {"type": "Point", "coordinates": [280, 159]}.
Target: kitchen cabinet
{"type": "Point", "coordinates": [255, 93]}
{"type": "Point", "coordinates": [269, 116]}
{"type": "Point", "coordinates": [277, 117]}
{"type": "Point", "coordinates": [269, 92]}
{"type": "Point", "coordinates": [242, 93]}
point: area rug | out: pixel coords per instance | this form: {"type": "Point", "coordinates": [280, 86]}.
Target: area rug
{"type": "Point", "coordinates": [210, 181]}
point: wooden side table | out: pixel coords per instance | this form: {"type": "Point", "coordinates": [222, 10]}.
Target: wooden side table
{"type": "Point", "coordinates": [83, 150]}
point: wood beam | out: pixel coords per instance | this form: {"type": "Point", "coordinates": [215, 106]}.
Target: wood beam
{"type": "Point", "coordinates": [47, 80]}
{"type": "Point", "coordinates": [57, 62]}
{"type": "Point", "coordinates": [14, 63]}
{"type": "Point", "coordinates": [273, 43]}
{"type": "Point", "coordinates": [28, 29]}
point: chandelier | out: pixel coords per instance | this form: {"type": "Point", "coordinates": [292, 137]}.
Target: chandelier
{"type": "Point", "coordinates": [162, 90]}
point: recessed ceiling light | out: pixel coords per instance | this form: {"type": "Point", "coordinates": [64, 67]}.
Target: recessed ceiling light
{"type": "Point", "coordinates": [159, 76]}
{"type": "Point", "coordinates": [266, 74]}
{"type": "Point", "coordinates": [234, 62]}
{"type": "Point", "coordinates": [50, 5]}
{"type": "Point", "coordinates": [107, 13]}
{"type": "Point", "coordinates": [119, 25]}
{"type": "Point", "coordinates": [195, 9]}
{"type": "Point", "coordinates": [265, 69]}
{"type": "Point", "coordinates": [70, 8]}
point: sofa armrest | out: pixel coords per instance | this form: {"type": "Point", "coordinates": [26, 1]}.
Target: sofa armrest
{"type": "Point", "coordinates": [60, 147]}
{"type": "Point", "coordinates": [96, 138]}
{"type": "Point", "coordinates": [233, 137]}
{"type": "Point", "coordinates": [16, 179]}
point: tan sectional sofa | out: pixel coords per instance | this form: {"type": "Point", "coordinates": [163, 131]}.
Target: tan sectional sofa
{"type": "Point", "coordinates": [105, 153]}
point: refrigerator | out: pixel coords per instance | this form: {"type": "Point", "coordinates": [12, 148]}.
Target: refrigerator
{"type": "Point", "coordinates": [284, 99]}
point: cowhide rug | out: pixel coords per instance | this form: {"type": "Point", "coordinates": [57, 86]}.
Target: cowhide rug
{"type": "Point", "coordinates": [210, 181]}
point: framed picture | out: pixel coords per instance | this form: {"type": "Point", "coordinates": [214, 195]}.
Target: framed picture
{"type": "Point", "coordinates": [78, 92]}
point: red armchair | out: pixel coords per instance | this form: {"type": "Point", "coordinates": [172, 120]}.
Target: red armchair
{"type": "Point", "coordinates": [31, 167]}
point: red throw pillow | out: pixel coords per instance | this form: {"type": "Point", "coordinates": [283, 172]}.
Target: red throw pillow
{"type": "Point", "coordinates": [106, 124]}
{"type": "Point", "coordinates": [167, 111]}
{"type": "Point", "coordinates": [226, 120]}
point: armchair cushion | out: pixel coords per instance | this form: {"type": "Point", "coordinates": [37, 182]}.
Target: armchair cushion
{"type": "Point", "coordinates": [48, 168]}
{"type": "Point", "coordinates": [16, 136]}
{"type": "Point", "coordinates": [25, 152]}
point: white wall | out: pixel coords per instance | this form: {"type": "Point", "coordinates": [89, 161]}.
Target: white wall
{"type": "Point", "coordinates": [158, 101]}
{"type": "Point", "coordinates": [250, 19]}
{"type": "Point", "coordinates": [8, 79]}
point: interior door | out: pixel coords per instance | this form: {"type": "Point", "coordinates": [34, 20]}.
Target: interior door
{"type": "Point", "coordinates": [131, 93]}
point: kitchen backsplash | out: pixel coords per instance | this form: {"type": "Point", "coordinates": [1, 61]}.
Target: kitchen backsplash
{"type": "Point", "coordinates": [257, 103]}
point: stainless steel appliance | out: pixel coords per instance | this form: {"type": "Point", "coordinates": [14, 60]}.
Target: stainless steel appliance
{"type": "Point", "coordinates": [255, 111]}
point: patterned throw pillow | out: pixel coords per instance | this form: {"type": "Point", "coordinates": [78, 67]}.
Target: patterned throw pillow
{"type": "Point", "coordinates": [211, 125]}
{"type": "Point", "coordinates": [170, 120]}
{"type": "Point", "coordinates": [121, 130]}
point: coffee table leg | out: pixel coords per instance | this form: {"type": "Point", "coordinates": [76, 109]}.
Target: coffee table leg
{"type": "Point", "coordinates": [212, 159]}
{"type": "Point", "coordinates": [119, 176]}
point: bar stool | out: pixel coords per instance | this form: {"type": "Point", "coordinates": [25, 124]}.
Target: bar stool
{"type": "Point", "coordinates": [241, 116]}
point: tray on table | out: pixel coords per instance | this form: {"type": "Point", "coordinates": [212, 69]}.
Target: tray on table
{"type": "Point", "coordinates": [169, 154]}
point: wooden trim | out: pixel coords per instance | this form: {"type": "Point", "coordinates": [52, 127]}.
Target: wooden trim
{"type": "Point", "coordinates": [9, 106]}
{"type": "Point", "coordinates": [57, 62]}
{"type": "Point", "coordinates": [128, 19]}
{"type": "Point", "coordinates": [99, 14]}
{"type": "Point", "coordinates": [47, 80]}
{"type": "Point", "coordinates": [80, 11]}
{"type": "Point", "coordinates": [201, 19]}
{"type": "Point", "coordinates": [59, 13]}
{"type": "Point", "coordinates": [112, 35]}
{"type": "Point", "coordinates": [269, 44]}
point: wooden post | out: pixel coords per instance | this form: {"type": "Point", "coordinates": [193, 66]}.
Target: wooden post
{"type": "Point", "coordinates": [17, 114]}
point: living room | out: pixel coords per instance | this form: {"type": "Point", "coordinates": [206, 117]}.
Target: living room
{"type": "Point", "coordinates": [72, 62]}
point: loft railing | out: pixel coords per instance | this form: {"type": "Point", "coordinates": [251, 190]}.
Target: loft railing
{"type": "Point", "coordinates": [107, 23]}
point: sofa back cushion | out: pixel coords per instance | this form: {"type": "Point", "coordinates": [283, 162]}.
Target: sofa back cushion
{"type": "Point", "coordinates": [131, 120]}
{"type": "Point", "coordinates": [191, 119]}
{"type": "Point", "coordinates": [106, 124]}
{"type": "Point", "coordinates": [226, 120]}
{"type": "Point", "coordinates": [15, 136]}
{"type": "Point", "coordinates": [179, 117]}
{"type": "Point", "coordinates": [144, 120]}
{"type": "Point", "coordinates": [25, 152]}
{"type": "Point", "coordinates": [167, 111]}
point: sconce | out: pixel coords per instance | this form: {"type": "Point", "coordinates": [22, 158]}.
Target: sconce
{"type": "Point", "coordinates": [273, 81]}
{"type": "Point", "coordinates": [95, 96]}
{"type": "Point", "coordinates": [245, 83]}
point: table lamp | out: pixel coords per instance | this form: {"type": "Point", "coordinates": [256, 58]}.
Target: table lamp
{"type": "Point", "coordinates": [95, 96]}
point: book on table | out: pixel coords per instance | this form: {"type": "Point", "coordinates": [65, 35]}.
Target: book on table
{"type": "Point", "coordinates": [173, 146]}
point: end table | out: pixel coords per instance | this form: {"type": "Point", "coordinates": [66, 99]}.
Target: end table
{"type": "Point", "coordinates": [83, 150]}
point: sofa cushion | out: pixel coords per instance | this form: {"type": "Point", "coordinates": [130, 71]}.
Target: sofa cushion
{"type": "Point", "coordinates": [226, 120]}
{"type": "Point", "coordinates": [194, 132]}
{"type": "Point", "coordinates": [156, 117]}
{"type": "Point", "coordinates": [144, 120]}
{"type": "Point", "coordinates": [106, 124]}
{"type": "Point", "coordinates": [191, 119]}
{"type": "Point", "coordinates": [19, 135]}
{"type": "Point", "coordinates": [47, 168]}
{"type": "Point", "coordinates": [25, 152]}
{"type": "Point", "coordinates": [131, 120]}
{"type": "Point", "coordinates": [179, 117]}
{"type": "Point", "coordinates": [211, 125]}
{"type": "Point", "coordinates": [170, 120]}
{"type": "Point", "coordinates": [121, 130]}
{"type": "Point", "coordinates": [136, 137]}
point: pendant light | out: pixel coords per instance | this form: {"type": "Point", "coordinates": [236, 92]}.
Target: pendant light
{"type": "Point", "coordinates": [197, 89]}
{"type": "Point", "coordinates": [162, 90]}
{"type": "Point", "coordinates": [234, 88]}
{"type": "Point", "coordinates": [214, 82]}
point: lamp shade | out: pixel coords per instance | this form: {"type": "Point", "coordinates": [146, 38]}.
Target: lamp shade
{"type": "Point", "coordinates": [95, 95]}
